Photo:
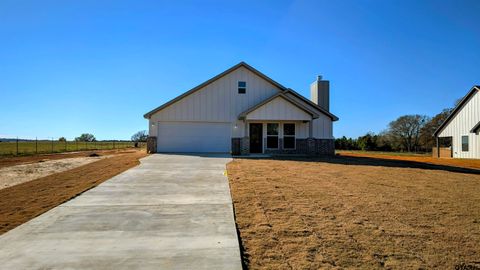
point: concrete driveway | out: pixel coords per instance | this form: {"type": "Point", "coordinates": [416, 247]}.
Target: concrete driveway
{"type": "Point", "coordinates": [171, 212]}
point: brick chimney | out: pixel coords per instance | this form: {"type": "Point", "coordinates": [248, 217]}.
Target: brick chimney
{"type": "Point", "coordinates": [320, 93]}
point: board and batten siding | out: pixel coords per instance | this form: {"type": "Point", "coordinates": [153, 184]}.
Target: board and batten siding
{"type": "Point", "coordinates": [219, 101]}
{"type": "Point", "coordinates": [278, 109]}
{"type": "Point", "coordinates": [461, 125]}
{"type": "Point", "coordinates": [322, 126]}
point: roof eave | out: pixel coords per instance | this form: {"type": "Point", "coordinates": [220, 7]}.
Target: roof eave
{"type": "Point", "coordinates": [224, 73]}
{"type": "Point", "coordinates": [244, 114]}
{"type": "Point", "coordinates": [329, 114]}
{"type": "Point", "coordinates": [456, 109]}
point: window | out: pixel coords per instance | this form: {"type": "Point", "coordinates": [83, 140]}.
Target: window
{"type": "Point", "coordinates": [272, 136]}
{"type": "Point", "coordinates": [289, 136]}
{"type": "Point", "coordinates": [242, 87]}
{"type": "Point", "coordinates": [465, 143]}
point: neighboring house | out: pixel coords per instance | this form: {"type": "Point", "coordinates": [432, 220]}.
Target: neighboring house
{"type": "Point", "coordinates": [462, 126]}
{"type": "Point", "coordinates": [243, 111]}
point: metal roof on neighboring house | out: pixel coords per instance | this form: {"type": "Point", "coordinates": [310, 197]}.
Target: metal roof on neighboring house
{"type": "Point", "coordinates": [457, 108]}
{"type": "Point", "coordinates": [226, 72]}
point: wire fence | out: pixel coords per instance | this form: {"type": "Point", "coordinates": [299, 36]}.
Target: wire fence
{"type": "Point", "coordinates": [32, 147]}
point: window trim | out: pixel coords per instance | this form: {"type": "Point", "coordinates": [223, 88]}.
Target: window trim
{"type": "Point", "coordinates": [278, 136]}
{"type": "Point", "coordinates": [241, 88]}
{"type": "Point", "coordinates": [294, 136]}
{"type": "Point", "coordinates": [468, 143]}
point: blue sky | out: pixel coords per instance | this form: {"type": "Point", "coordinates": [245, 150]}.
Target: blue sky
{"type": "Point", "coordinates": [68, 67]}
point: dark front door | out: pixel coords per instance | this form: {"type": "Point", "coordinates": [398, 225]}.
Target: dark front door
{"type": "Point", "coordinates": [256, 138]}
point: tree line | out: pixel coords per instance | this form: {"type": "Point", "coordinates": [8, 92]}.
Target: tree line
{"type": "Point", "coordinates": [407, 133]}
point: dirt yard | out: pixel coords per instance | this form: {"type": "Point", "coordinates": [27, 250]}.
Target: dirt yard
{"type": "Point", "coordinates": [7, 161]}
{"type": "Point", "coordinates": [24, 201]}
{"type": "Point", "coordinates": [17, 174]}
{"type": "Point", "coordinates": [356, 212]}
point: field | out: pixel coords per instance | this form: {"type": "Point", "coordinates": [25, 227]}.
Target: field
{"type": "Point", "coordinates": [356, 210]}
{"type": "Point", "coordinates": [33, 147]}
{"type": "Point", "coordinates": [22, 202]}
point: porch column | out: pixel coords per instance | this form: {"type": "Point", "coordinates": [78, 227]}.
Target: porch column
{"type": "Point", "coordinates": [438, 147]}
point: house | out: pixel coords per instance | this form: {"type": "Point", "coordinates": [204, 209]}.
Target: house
{"type": "Point", "coordinates": [243, 111]}
{"type": "Point", "coordinates": [462, 128]}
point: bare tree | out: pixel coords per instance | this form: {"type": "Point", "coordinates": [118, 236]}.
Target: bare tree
{"type": "Point", "coordinates": [407, 129]}
{"type": "Point", "coordinates": [140, 136]}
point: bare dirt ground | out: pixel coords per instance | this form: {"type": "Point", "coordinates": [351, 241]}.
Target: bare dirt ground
{"type": "Point", "coordinates": [17, 174]}
{"type": "Point", "coordinates": [356, 212]}
{"type": "Point", "coordinates": [6, 161]}
{"type": "Point", "coordinates": [24, 201]}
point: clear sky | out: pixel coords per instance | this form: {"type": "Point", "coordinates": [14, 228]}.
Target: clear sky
{"type": "Point", "coordinates": [68, 67]}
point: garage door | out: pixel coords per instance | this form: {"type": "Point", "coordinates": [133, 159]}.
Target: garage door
{"type": "Point", "coordinates": [194, 137]}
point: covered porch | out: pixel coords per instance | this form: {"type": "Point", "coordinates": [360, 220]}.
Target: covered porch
{"type": "Point", "coordinates": [278, 125]}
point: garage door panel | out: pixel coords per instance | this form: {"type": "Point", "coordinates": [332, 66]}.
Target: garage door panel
{"type": "Point", "coordinates": [193, 137]}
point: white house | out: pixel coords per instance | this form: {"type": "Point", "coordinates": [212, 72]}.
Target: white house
{"type": "Point", "coordinates": [463, 127]}
{"type": "Point", "coordinates": [243, 111]}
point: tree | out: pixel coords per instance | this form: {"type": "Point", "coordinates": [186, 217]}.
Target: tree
{"type": "Point", "coordinates": [407, 129]}
{"type": "Point", "coordinates": [427, 139]}
{"type": "Point", "coordinates": [86, 137]}
{"type": "Point", "coordinates": [62, 139]}
{"type": "Point", "coordinates": [140, 136]}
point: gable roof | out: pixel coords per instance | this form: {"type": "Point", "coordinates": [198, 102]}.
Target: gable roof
{"type": "Point", "coordinates": [281, 95]}
{"type": "Point", "coordinates": [457, 108]}
{"type": "Point", "coordinates": [230, 70]}
{"type": "Point", "coordinates": [476, 128]}
{"type": "Point", "coordinates": [200, 86]}
{"type": "Point", "coordinates": [311, 103]}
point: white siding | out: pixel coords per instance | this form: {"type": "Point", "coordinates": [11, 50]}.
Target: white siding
{"type": "Point", "coordinates": [322, 126]}
{"type": "Point", "coordinates": [218, 101]}
{"type": "Point", "coordinates": [461, 124]}
{"type": "Point", "coordinates": [278, 109]}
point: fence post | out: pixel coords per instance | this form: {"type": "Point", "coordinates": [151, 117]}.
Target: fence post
{"type": "Point", "coordinates": [52, 144]}
{"type": "Point", "coordinates": [76, 143]}
{"type": "Point", "coordinates": [17, 145]}
{"type": "Point", "coordinates": [66, 145]}
{"type": "Point", "coordinates": [36, 145]}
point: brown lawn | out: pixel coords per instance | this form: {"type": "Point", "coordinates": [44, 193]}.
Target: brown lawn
{"type": "Point", "coordinates": [356, 212]}
{"type": "Point", "coordinates": [22, 202]}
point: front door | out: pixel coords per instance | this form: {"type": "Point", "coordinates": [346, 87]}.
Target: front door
{"type": "Point", "coordinates": [256, 138]}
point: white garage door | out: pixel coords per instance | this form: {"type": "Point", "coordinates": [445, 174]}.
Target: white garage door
{"type": "Point", "coordinates": [194, 137]}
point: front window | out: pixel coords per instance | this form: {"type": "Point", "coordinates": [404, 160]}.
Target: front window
{"type": "Point", "coordinates": [465, 143]}
{"type": "Point", "coordinates": [242, 87]}
{"type": "Point", "coordinates": [289, 136]}
{"type": "Point", "coordinates": [272, 136]}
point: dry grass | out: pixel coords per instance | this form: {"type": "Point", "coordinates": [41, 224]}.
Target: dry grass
{"type": "Point", "coordinates": [356, 212]}
{"type": "Point", "coordinates": [20, 203]}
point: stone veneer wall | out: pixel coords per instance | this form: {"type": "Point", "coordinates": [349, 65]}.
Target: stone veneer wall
{"type": "Point", "coordinates": [151, 144]}
{"type": "Point", "coordinates": [236, 146]}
